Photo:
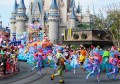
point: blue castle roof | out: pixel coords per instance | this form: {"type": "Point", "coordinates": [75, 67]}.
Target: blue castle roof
{"type": "Point", "coordinates": [73, 16]}
{"type": "Point", "coordinates": [40, 5]}
{"type": "Point", "coordinates": [21, 4]}
{"type": "Point", "coordinates": [15, 7]}
{"type": "Point", "coordinates": [72, 4]}
{"type": "Point", "coordinates": [54, 5]}
{"type": "Point", "coordinates": [78, 9]}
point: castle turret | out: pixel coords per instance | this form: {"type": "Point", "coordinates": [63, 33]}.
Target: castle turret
{"type": "Point", "coordinates": [21, 18]}
{"type": "Point", "coordinates": [68, 5]}
{"type": "Point", "coordinates": [79, 13]}
{"type": "Point", "coordinates": [78, 9]}
{"type": "Point", "coordinates": [53, 22]}
{"type": "Point", "coordinates": [72, 5]}
{"type": "Point", "coordinates": [13, 20]}
{"type": "Point", "coordinates": [73, 19]}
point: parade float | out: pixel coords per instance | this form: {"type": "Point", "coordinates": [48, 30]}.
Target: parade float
{"type": "Point", "coordinates": [31, 42]}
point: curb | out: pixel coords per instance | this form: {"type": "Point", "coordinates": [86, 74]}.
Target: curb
{"type": "Point", "coordinates": [9, 75]}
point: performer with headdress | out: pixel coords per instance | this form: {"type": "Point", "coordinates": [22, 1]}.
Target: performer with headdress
{"type": "Point", "coordinates": [114, 62]}
{"type": "Point", "coordinates": [60, 68]}
{"type": "Point", "coordinates": [74, 62]}
{"type": "Point", "coordinates": [39, 58]}
{"type": "Point", "coordinates": [96, 60]}
{"type": "Point", "coordinates": [60, 65]}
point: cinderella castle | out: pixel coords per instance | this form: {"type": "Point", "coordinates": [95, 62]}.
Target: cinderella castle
{"type": "Point", "coordinates": [53, 15]}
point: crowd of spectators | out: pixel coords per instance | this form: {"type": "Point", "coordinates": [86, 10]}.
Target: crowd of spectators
{"type": "Point", "coordinates": [8, 60]}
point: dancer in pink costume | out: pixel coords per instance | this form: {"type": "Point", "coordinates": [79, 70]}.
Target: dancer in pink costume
{"type": "Point", "coordinates": [96, 61]}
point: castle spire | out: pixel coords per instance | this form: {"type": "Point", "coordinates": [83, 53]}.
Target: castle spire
{"type": "Point", "coordinates": [40, 5]}
{"type": "Point", "coordinates": [73, 16]}
{"type": "Point", "coordinates": [73, 19]}
{"type": "Point", "coordinates": [78, 9]}
{"type": "Point", "coordinates": [72, 4]}
{"type": "Point", "coordinates": [54, 5]}
{"type": "Point", "coordinates": [21, 4]}
{"type": "Point", "coordinates": [15, 7]}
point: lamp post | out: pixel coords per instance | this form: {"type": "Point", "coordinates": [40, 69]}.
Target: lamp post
{"type": "Point", "coordinates": [62, 36]}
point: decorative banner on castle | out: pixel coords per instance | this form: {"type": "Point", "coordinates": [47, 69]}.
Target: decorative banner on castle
{"type": "Point", "coordinates": [65, 34]}
{"type": "Point", "coordinates": [69, 33]}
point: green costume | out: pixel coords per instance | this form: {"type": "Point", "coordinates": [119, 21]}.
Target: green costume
{"type": "Point", "coordinates": [60, 69]}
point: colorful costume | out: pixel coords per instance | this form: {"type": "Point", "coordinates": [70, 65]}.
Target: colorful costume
{"type": "Point", "coordinates": [82, 56]}
{"type": "Point", "coordinates": [114, 62]}
{"type": "Point", "coordinates": [74, 62]}
{"type": "Point", "coordinates": [96, 60]}
{"type": "Point", "coordinates": [39, 64]}
{"type": "Point", "coordinates": [60, 69]}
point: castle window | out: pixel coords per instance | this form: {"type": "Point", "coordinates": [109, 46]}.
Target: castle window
{"type": "Point", "coordinates": [76, 36]}
{"type": "Point", "coordinates": [84, 36]}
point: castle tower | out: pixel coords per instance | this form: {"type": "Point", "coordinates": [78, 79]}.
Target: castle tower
{"type": "Point", "coordinates": [72, 5]}
{"type": "Point", "coordinates": [21, 18]}
{"type": "Point", "coordinates": [68, 5]}
{"type": "Point", "coordinates": [53, 22]}
{"type": "Point", "coordinates": [13, 20]}
{"type": "Point", "coordinates": [79, 13]}
{"type": "Point", "coordinates": [73, 19]}
{"type": "Point", "coordinates": [63, 11]}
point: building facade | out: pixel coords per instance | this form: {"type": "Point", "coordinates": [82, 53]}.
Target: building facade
{"type": "Point", "coordinates": [53, 15]}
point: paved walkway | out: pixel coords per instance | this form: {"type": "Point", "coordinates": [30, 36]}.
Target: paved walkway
{"type": "Point", "coordinates": [25, 71]}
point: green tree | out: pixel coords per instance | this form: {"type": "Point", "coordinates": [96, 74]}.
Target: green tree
{"type": "Point", "coordinates": [110, 22]}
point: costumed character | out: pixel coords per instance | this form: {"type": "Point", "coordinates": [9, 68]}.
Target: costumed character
{"type": "Point", "coordinates": [96, 61]}
{"type": "Point", "coordinates": [60, 69]}
{"type": "Point", "coordinates": [60, 65]}
{"type": "Point", "coordinates": [59, 52]}
{"type": "Point", "coordinates": [114, 63]}
{"type": "Point", "coordinates": [21, 55]}
{"type": "Point", "coordinates": [74, 62]}
{"type": "Point", "coordinates": [32, 50]}
{"type": "Point", "coordinates": [24, 38]}
{"type": "Point", "coordinates": [67, 60]}
{"type": "Point", "coordinates": [106, 66]}
{"type": "Point", "coordinates": [39, 58]}
{"type": "Point", "coordinates": [82, 56]}
{"type": "Point", "coordinates": [87, 64]}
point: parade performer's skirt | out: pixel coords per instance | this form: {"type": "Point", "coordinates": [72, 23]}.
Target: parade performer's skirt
{"type": "Point", "coordinates": [81, 58]}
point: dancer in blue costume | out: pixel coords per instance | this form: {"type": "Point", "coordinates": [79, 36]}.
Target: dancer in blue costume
{"type": "Point", "coordinates": [21, 55]}
{"type": "Point", "coordinates": [114, 63]}
{"type": "Point", "coordinates": [87, 64]}
{"type": "Point", "coordinates": [97, 59]}
{"type": "Point", "coordinates": [74, 62]}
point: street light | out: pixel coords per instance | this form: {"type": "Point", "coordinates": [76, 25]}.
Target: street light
{"type": "Point", "coordinates": [62, 35]}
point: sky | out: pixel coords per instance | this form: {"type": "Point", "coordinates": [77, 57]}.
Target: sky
{"type": "Point", "coordinates": [7, 5]}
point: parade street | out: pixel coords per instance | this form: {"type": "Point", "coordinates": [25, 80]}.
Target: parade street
{"type": "Point", "coordinates": [27, 77]}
